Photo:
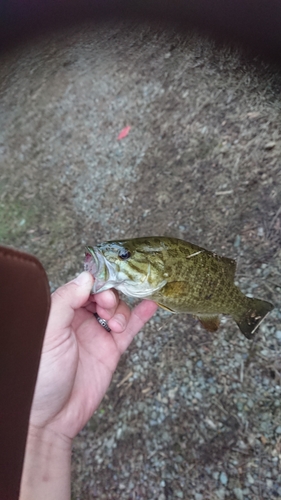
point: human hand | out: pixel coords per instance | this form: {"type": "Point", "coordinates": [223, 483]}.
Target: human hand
{"type": "Point", "coordinates": [79, 356]}
{"type": "Point", "coordinates": [78, 359]}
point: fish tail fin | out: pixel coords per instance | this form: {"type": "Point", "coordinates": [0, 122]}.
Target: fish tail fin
{"type": "Point", "coordinates": [251, 317]}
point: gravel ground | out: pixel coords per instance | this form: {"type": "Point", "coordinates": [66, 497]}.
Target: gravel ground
{"type": "Point", "coordinates": [188, 414]}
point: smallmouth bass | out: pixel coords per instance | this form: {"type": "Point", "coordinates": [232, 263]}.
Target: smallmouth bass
{"type": "Point", "coordinates": [180, 276]}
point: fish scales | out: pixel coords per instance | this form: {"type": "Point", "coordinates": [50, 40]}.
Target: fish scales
{"type": "Point", "coordinates": [179, 276]}
{"type": "Point", "coordinates": [201, 287]}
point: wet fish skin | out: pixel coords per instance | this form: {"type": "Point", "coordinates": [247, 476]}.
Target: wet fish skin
{"type": "Point", "coordinates": [180, 276]}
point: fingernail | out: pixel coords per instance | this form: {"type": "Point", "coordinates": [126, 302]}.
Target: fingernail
{"type": "Point", "coordinates": [82, 279]}
{"type": "Point", "coordinates": [120, 320]}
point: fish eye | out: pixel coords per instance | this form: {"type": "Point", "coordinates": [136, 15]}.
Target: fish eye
{"type": "Point", "coordinates": [124, 254]}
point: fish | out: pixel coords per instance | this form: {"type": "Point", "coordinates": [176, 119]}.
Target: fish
{"type": "Point", "coordinates": [179, 276]}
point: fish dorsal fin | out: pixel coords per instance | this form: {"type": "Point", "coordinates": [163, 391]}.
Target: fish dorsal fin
{"type": "Point", "coordinates": [210, 323]}
{"type": "Point", "coordinates": [230, 265]}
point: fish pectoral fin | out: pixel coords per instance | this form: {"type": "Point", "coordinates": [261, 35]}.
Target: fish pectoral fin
{"type": "Point", "coordinates": [174, 289]}
{"type": "Point", "coordinates": [166, 308]}
{"type": "Point", "coordinates": [169, 293]}
{"type": "Point", "coordinates": [210, 323]}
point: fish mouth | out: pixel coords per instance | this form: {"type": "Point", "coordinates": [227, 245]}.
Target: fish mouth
{"type": "Point", "coordinates": [91, 264]}
{"type": "Point", "coordinates": [102, 271]}
{"type": "Point", "coordinates": [95, 264]}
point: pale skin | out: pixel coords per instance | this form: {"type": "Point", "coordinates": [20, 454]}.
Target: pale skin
{"type": "Point", "coordinates": [78, 360]}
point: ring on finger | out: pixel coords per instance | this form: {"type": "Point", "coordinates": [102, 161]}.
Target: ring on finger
{"type": "Point", "coordinates": [102, 322]}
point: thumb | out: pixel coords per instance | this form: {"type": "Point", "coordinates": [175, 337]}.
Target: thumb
{"type": "Point", "coordinates": [68, 298]}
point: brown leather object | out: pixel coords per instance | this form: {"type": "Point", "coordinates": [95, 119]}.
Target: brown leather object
{"type": "Point", "coordinates": [24, 310]}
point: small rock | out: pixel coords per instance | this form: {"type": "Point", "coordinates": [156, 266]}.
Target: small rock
{"type": "Point", "coordinates": [166, 436]}
{"type": "Point", "coordinates": [278, 429]}
{"type": "Point", "coordinates": [179, 493]}
{"type": "Point", "coordinates": [250, 478]}
{"type": "Point", "coordinates": [278, 335]}
{"type": "Point", "coordinates": [270, 145]}
{"type": "Point", "coordinates": [242, 445]}
{"type": "Point", "coordinates": [220, 494]}
{"type": "Point", "coordinates": [198, 496]}
{"type": "Point", "coordinates": [210, 423]}
{"type": "Point", "coordinates": [238, 493]}
{"type": "Point", "coordinates": [223, 478]}
{"type": "Point", "coordinates": [237, 241]}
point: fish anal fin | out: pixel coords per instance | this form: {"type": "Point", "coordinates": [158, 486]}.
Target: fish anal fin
{"type": "Point", "coordinates": [210, 323]}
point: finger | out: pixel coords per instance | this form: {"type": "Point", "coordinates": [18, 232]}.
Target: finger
{"type": "Point", "coordinates": [68, 298]}
{"type": "Point", "coordinates": [107, 303]}
{"type": "Point", "coordinates": [119, 321]}
{"type": "Point", "coordinates": [107, 298]}
{"type": "Point", "coordinates": [80, 316]}
{"type": "Point", "coordinates": [139, 316]}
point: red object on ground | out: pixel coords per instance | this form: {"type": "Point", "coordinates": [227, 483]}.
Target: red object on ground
{"type": "Point", "coordinates": [124, 132]}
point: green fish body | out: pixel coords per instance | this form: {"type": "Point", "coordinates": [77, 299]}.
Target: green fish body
{"type": "Point", "coordinates": [180, 276]}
